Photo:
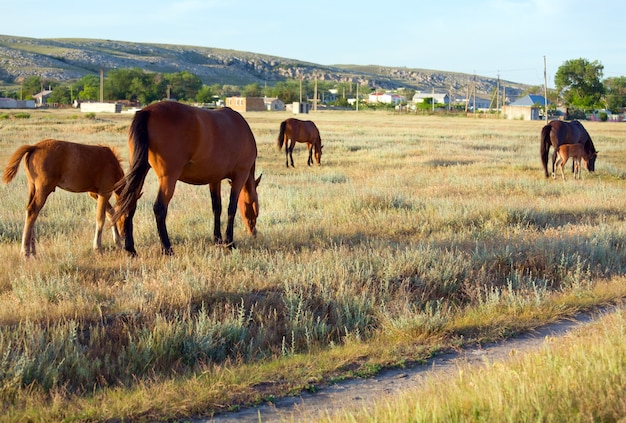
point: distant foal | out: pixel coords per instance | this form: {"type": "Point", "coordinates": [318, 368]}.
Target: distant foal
{"type": "Point", "coordinates": [577, 153]}
{"type": "Point", "coordinates": [73, 167]}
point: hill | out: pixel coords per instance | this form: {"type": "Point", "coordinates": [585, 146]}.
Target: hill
{"type": "Point", "coordinates": [70, 59]}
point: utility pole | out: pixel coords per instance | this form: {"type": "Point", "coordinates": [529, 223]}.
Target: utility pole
{"type": "Point", "coordinates": [545, 90]}
{"type": "Point", "coordinates": [315, 95]}
{"type": "Point", "coordinates": [101, 85]}
{"type": "Point", "coordinates": [498, 93]}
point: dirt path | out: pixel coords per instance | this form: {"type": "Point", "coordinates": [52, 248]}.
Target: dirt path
{"type": "Point", "coordinates": [360, 393]}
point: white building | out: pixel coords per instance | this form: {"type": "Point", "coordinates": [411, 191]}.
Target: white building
{"type": "Point", "coordinates": [386, 97]}
{"type": "Point", "coordinates": [438, 98]}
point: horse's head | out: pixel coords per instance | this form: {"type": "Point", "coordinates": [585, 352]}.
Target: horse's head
{"type": "Point", "coordinates": [318, 152]}
{"type": "Point", "coordinates": [591, 161]}
{"type": "Point", "coordinates": [249, 203]}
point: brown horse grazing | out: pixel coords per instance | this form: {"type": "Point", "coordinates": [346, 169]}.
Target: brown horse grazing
{"type": "Point", "coordinates": [73, 167]}
{"type": "Point", "coordinates": [300, 131]}
{"type": "Point", "coordinates": [577, 153]}
{"type": "Point", "coordinates": [195, 146]}
{"type": "Point", "coordinates": [556, 133]}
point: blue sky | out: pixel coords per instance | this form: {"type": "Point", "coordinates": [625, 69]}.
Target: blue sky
{"type": "Point", "coordinates": [508, 38]}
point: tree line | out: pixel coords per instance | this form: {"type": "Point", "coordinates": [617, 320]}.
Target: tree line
{"type": "Point", "coordinates": [141, 87]}
{"type": "Point", "coordinates": [579, 86]}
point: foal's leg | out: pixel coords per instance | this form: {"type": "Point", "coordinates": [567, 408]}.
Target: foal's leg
{"type": "Point", "coordinates": [103, 201]}
{"type": "Point", "coordinates": [117, 238]}
{"type": "Point", "coordinates": [36, 200]}
{"type": "Point", "coordinates": [562, 165]}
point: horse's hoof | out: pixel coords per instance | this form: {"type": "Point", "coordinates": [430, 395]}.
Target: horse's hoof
{"type": "Point", "coordinates": [168, 251]}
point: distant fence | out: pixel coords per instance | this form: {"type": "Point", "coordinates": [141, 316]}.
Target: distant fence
{"type": "Point", "coordinates": [101, 107]}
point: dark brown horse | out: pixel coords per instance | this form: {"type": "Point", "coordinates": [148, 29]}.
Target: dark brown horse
{"type": "Point", "coordinates": [195, 146]}
{"type": "Point", "coordinates": [297, 130]}
{"type": "Point", "coordinates": [73, 167]}
{"type": "Point", "coordinates": [558, 132]}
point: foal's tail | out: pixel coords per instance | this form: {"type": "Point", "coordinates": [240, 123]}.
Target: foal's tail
{"type": "Point", "coordinates": [544, 147]}
{"type": "Point", "coordinates": [133, 181]}
{"type": "Point", "coordinates": [11, 170]}
{"type": "Point", "coordinates": [281, 135]}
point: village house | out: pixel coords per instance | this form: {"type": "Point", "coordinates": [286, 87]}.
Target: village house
{"type": "Point", "coordinates": [525, 108]}
{"type": "Point", "coordinates": [386, 97]}
{"type": "Point", "coordinates": [42, 97]}
{"type": "Point", "coordinates": [274, 104]}
{"type": "Point", "coordinates": [246, 104]}
{"type": "Point", "coordinates": [438, 98]}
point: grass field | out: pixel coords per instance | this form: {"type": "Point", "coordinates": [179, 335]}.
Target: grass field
{"type": "Point", "coordinates": [417, 233]}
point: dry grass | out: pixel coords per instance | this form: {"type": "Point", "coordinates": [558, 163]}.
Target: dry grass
{"type": "Point", "coordinates": [415, 234]}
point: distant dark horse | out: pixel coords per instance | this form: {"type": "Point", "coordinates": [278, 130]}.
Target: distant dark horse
{"type": "Point", "coordinates": [300, 131]}
{"type": "Point", "coordinates": [195, 146]}
{"type": "Point", "coordinates": [558, 132]}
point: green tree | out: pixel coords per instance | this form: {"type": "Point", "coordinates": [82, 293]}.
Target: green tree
{"type": "Point", "coordinates": [615, 93]}
{"type": "Point", "coordinates": [87, 88]}
{"type": "Point", "coordinates": [252, 90]}
{"type": "Point", "coordinates": [31, 86]}
{"type": "Point", "coordinates": [183, 85]}
{"type": "Point", "coordinates": [579, 83]}
{"type": "Point", "coordinates": [60, 95]}
{"type": "Point", "coordinates": [206, 94]}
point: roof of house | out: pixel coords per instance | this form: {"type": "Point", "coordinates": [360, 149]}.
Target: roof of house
{"type": "Point", "coordinates": [44, 93]}
{"type": "Point", "coordinates": [529, 100]}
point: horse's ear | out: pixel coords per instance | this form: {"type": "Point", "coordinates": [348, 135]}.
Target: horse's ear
{"type": "Point", "coordinates": [257, 181]}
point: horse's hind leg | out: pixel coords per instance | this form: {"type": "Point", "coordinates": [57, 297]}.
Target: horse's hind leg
{"type": "Point", "coordinates": [37, 199]}
{"type": "Point", "coordinates": [216, 205]}
{"type": "Point", "coordinates": [166, 191]}
{"type": "Point", "coordinates": [292, 144]}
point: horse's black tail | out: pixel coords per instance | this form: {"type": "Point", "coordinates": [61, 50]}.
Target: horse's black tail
{"type": "Point", "coordinates": [544, 147]}
{"type": "Point", "coordinates": [134, 179]}
{"type": "Point", "coordinates": [281, 135]}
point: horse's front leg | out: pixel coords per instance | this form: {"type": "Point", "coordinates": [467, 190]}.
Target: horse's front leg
{"type": "Point", "coordinates": [310, 160]}
{"type": "Point", "coordinates": [102, 202]}
{"type": "Point", "coordinates": [216, 205]}
{"type": "Point", "coordinates": [235, 189]}
{"type": "Point", "coordinates": [166, 191]}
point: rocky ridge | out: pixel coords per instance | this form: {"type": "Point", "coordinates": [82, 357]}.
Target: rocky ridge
{"type": "Point", "coordinates": [70, 59]}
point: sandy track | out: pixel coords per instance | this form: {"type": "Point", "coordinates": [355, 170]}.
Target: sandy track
{"type": "Point", "coordinates": [361, 393]}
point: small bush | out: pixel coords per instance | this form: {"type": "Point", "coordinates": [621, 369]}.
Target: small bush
{"type": "Point", "coordinates": [90, 116]}
{"type": "Point", "coordinates": [22, 115]}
